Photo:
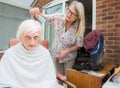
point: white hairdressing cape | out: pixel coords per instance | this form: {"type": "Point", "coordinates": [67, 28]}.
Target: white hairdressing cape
{"type": "Point", "coordinates": [20, 68]}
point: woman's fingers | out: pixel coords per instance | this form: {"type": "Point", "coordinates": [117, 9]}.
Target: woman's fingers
{"type": "Point", "coordinates": [117, 71]}
{"type": "Point", "coordinates": [60, 76]}
{"type": "Point", "coordinates": [62, 54]}
{"type": "Point", "coordinates": [34, 11]}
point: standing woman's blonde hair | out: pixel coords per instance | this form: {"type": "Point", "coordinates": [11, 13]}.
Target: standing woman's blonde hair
{"type": "Point", "coordinates": [79, 8]}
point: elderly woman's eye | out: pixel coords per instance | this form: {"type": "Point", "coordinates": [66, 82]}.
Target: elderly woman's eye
{"type": "Point", "coordinates": [27, 37]}
{"type": "Point", "coordinates": [36, 38]}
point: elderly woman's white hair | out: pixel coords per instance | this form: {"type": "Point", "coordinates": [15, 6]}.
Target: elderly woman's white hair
{"type": "Point", "coordinates": [26, 26]}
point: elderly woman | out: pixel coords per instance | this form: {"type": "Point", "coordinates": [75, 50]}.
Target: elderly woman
{"type": "Point", "coordinates": [28, 64]}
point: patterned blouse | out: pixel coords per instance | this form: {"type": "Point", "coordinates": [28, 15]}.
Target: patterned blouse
{"type": "Point", "coordinates": [63, 39]}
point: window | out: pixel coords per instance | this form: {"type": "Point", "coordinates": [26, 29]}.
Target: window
{"type": "Point", "coordinates": [10, 18]}
{"type": "Point", "coordinates": [55, 6]}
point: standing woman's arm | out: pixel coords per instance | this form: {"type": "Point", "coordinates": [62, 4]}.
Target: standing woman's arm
{"type": "Point", "coordinates": [35, 12]}
{"type": "Point", "coordinates": [52, 19]}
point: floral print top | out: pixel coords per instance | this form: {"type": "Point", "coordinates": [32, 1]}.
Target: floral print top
{"type": "Point", "coordinates": [63, 39]}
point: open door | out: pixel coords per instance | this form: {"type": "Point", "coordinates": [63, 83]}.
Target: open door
{"type": "Point", "coordinates": [53, 7]}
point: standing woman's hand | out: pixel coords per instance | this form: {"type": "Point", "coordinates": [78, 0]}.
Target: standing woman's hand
{"type": "Point", "coordinates": [62, 54]}
{"type": "Point", "coordinates": [117, 71]}
{"type": "Point", "coordinates": [35, 12]}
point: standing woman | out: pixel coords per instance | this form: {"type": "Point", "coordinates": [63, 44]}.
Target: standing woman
{"type": "Point", "coordinates": [69, 34]}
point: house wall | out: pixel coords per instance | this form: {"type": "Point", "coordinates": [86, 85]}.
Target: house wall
{"type": "Point", "coordinates": [108, 21]}
{"type": "Point", "coordinates": [40, 3]}
{"type": "Point", "coordinates": [10, 18]}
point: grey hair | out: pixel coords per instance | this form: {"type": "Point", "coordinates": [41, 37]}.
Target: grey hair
{"type": "Point", "coordinates": [26, 26]}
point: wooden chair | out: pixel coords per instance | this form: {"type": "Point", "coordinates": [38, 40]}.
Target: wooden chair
{"type": "Point", "coordinates": [45, 43]}
{"type": "Point", "coordinates": [13, 42]}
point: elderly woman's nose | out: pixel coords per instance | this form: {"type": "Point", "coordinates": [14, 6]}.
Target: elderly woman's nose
{"type": "Point", "coordinates": [32, 41]}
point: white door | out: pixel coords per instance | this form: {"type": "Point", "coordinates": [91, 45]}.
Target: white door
{"type": "Point", "coordinates": [54, 7]}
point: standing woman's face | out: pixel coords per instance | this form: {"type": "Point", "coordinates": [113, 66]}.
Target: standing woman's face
{"type": "Point", "coordinates": [71, 14]}
{"type": "Point", "coordinates": [31, 41]}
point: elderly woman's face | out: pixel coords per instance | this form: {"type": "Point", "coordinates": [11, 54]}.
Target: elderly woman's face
{"type": "Point", "coordinates": [31, 41]}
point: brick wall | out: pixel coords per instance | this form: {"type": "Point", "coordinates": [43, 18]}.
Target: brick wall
{"type": "Point", "coordinates": [108, 21]}
{"type": "Point", "coordinates": [41, 3]}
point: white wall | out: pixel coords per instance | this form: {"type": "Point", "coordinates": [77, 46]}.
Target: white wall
{"type": "Point", "coordinates": [10, 18]}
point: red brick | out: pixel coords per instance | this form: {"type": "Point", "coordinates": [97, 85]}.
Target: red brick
{"type": "Point", "coordinates": [101, 22]}
{"type": "Point", "coordinates": [107, 9]}
{"type": "Point", "coordinates": [98, 3]}
{"type": "Point", "coordinates": [117, 34]}
{"type": "Point", "coordinates": [107, 1]}
{"type": "Point", "coordinates": [114, 13]}
{"type": "Point", "coordinates": [109, 51]}
{"type": "Point", "coordinates": [101, 6]}
{"type": "Point", "coordinates": [101, 14]}
{"type": "Point", "coordinates": [99, 11]}
{"type": "Point", "coordinates": [116, 60]}
{"type": "Point", "coordinates": [108, 59]}
{"type": "Point", "coordinates": [40, 3]}
{"type": "Point", "coordinates": [113, 47]}
{"type": "Point", "coordinates": [117, 25]}
{"type": "Point", "coordinates": [114, 4]}
{"type": "Point", "coordinates": [114, 21]}
{"type": "Point", "coordinates": [108, 34]}
{"type": "Point", "coordinates": [98, 19]}
{"type": "Point", "coordinates": [117, 51]}
{"type": "Point", "coordinates": [117, 17]}
{"type": "Point", "coordinates": [98, 26]}
{"type": "Point", "coordinates": [116, 0]}
{"type": "Point", "coordinates": [117, 8]}
{"type": "Point", "coordinates": [113, 38]}
{"type": "Point", "coordinates": [117, 42]}
{"type": "Point", "coordinates": [103, 30]}
{"type": "Point", "coordinates": [109, 42]}
{"type": "Point", "coordinates": [107, 18]}
{"type": "Point", "coordinates": [113, 55]}
{"type": "Point", "coordinates": [112, 30]}
{"type": "Point", "coordinates": [107, 26]}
